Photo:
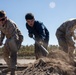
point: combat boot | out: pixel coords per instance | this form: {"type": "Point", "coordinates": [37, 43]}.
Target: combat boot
{"type": "Point", "coordinates": [12, 71]}
{"type": "Point", "coordinates": [6, 70]}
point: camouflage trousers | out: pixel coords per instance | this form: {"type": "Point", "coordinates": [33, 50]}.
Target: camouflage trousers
{"type": "Point", "coordinates": [10, 52]}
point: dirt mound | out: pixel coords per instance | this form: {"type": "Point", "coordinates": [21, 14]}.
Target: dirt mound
{"type": "Point", "coordinates": [61, 55]}
{"type": "Point", "coordinates": [57, 63]}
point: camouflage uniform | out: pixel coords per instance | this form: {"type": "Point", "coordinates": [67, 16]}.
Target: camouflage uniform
{"type": "Point", "coordinates": [64, 35]}
{"type": "Point", "coordinates": [12, 44]}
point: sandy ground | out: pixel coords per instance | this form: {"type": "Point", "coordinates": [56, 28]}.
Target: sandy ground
{"type": "Point", "coordinates": [54, 64]}
{"type": "Point", "coordinates": [20, 61]}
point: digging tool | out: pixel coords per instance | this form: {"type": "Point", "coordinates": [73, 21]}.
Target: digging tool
{"type": "Point", "coordinates": [43, 48]}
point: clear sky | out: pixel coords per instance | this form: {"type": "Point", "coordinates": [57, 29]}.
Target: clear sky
{"type": "Point", "coordinates": [51, 12]}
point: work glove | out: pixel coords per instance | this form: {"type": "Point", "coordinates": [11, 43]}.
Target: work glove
{"type": "Point", "coordinates": [41, 42]}
{"type": "Point", "coordinates": [30, 35]}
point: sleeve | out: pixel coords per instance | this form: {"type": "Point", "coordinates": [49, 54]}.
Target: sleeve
{"type": "Point", "coordinates": [29, 29]}
{"type": "Point", "coordinates": [41, 29]}
{"type": "Point", "coordinates": [2, 36]}
{"type": "Point", "coordinates": [47, 34]}
{"type": "Point", "coordinates": [11, 28]}
{"type": "Point", "coordinates": [17, 30]}
{"type": "Point", "coordinates": [69, 36]}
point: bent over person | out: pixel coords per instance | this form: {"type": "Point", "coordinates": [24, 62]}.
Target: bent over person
{"type": "Point", "coordinates": [64, 35]}
{"type": "Point", "coordinates": [37, 30]}
{"type": "Point", "coordinates": [12, 44]}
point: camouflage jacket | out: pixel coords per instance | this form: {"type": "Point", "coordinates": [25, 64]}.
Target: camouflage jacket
{"type": "Point", "coordinates": [67, 30]}
{"type": "Point", "coordinates": [9, 29]}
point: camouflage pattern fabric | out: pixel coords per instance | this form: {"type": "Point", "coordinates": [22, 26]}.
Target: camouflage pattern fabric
{"type": "Point", "coordinates": [64, 35]}
{"type": "Point", "coordinates": [12, 44]}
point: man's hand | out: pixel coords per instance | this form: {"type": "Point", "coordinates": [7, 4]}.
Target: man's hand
{"type": "Point", "coordinates": [31, 35]}
{"type": "Point", "coordinates": [40, 42]}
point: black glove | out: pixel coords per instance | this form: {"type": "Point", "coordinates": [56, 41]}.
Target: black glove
{"type": "Point", "coordinates": [31, 35]}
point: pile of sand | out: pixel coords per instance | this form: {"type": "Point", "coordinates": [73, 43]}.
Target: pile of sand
{"type": "Point", "coordinates": [57, 63]}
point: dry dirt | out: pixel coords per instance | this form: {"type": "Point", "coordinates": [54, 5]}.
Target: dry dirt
{"type": "Point", "coordinates": [57, 63]}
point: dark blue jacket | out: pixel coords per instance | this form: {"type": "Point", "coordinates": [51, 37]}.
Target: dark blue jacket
{"type": "Point", "coordinates": [39, 31]}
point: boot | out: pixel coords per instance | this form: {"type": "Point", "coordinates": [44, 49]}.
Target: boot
{"type": "Point", "coordinates": [12, 71]}
{"type": "Point", "coordinates": [5, 70]}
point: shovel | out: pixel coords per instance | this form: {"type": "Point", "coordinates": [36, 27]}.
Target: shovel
{"type": "Point", "coordinates": [44, 50]}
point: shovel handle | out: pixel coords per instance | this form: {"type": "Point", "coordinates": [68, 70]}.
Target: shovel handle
{"type": "Point", "coordinates": [44, 49]}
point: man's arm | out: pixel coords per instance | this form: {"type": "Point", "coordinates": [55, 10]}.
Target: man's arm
{"type": "Point", "coordinates": [2, 36]}
{"type": "Point", "coordinates": [41, 29]}
{"type": "Point", "coordinates": [69, 36]}
{"type": "Point", "coordinates": [30, 34]}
